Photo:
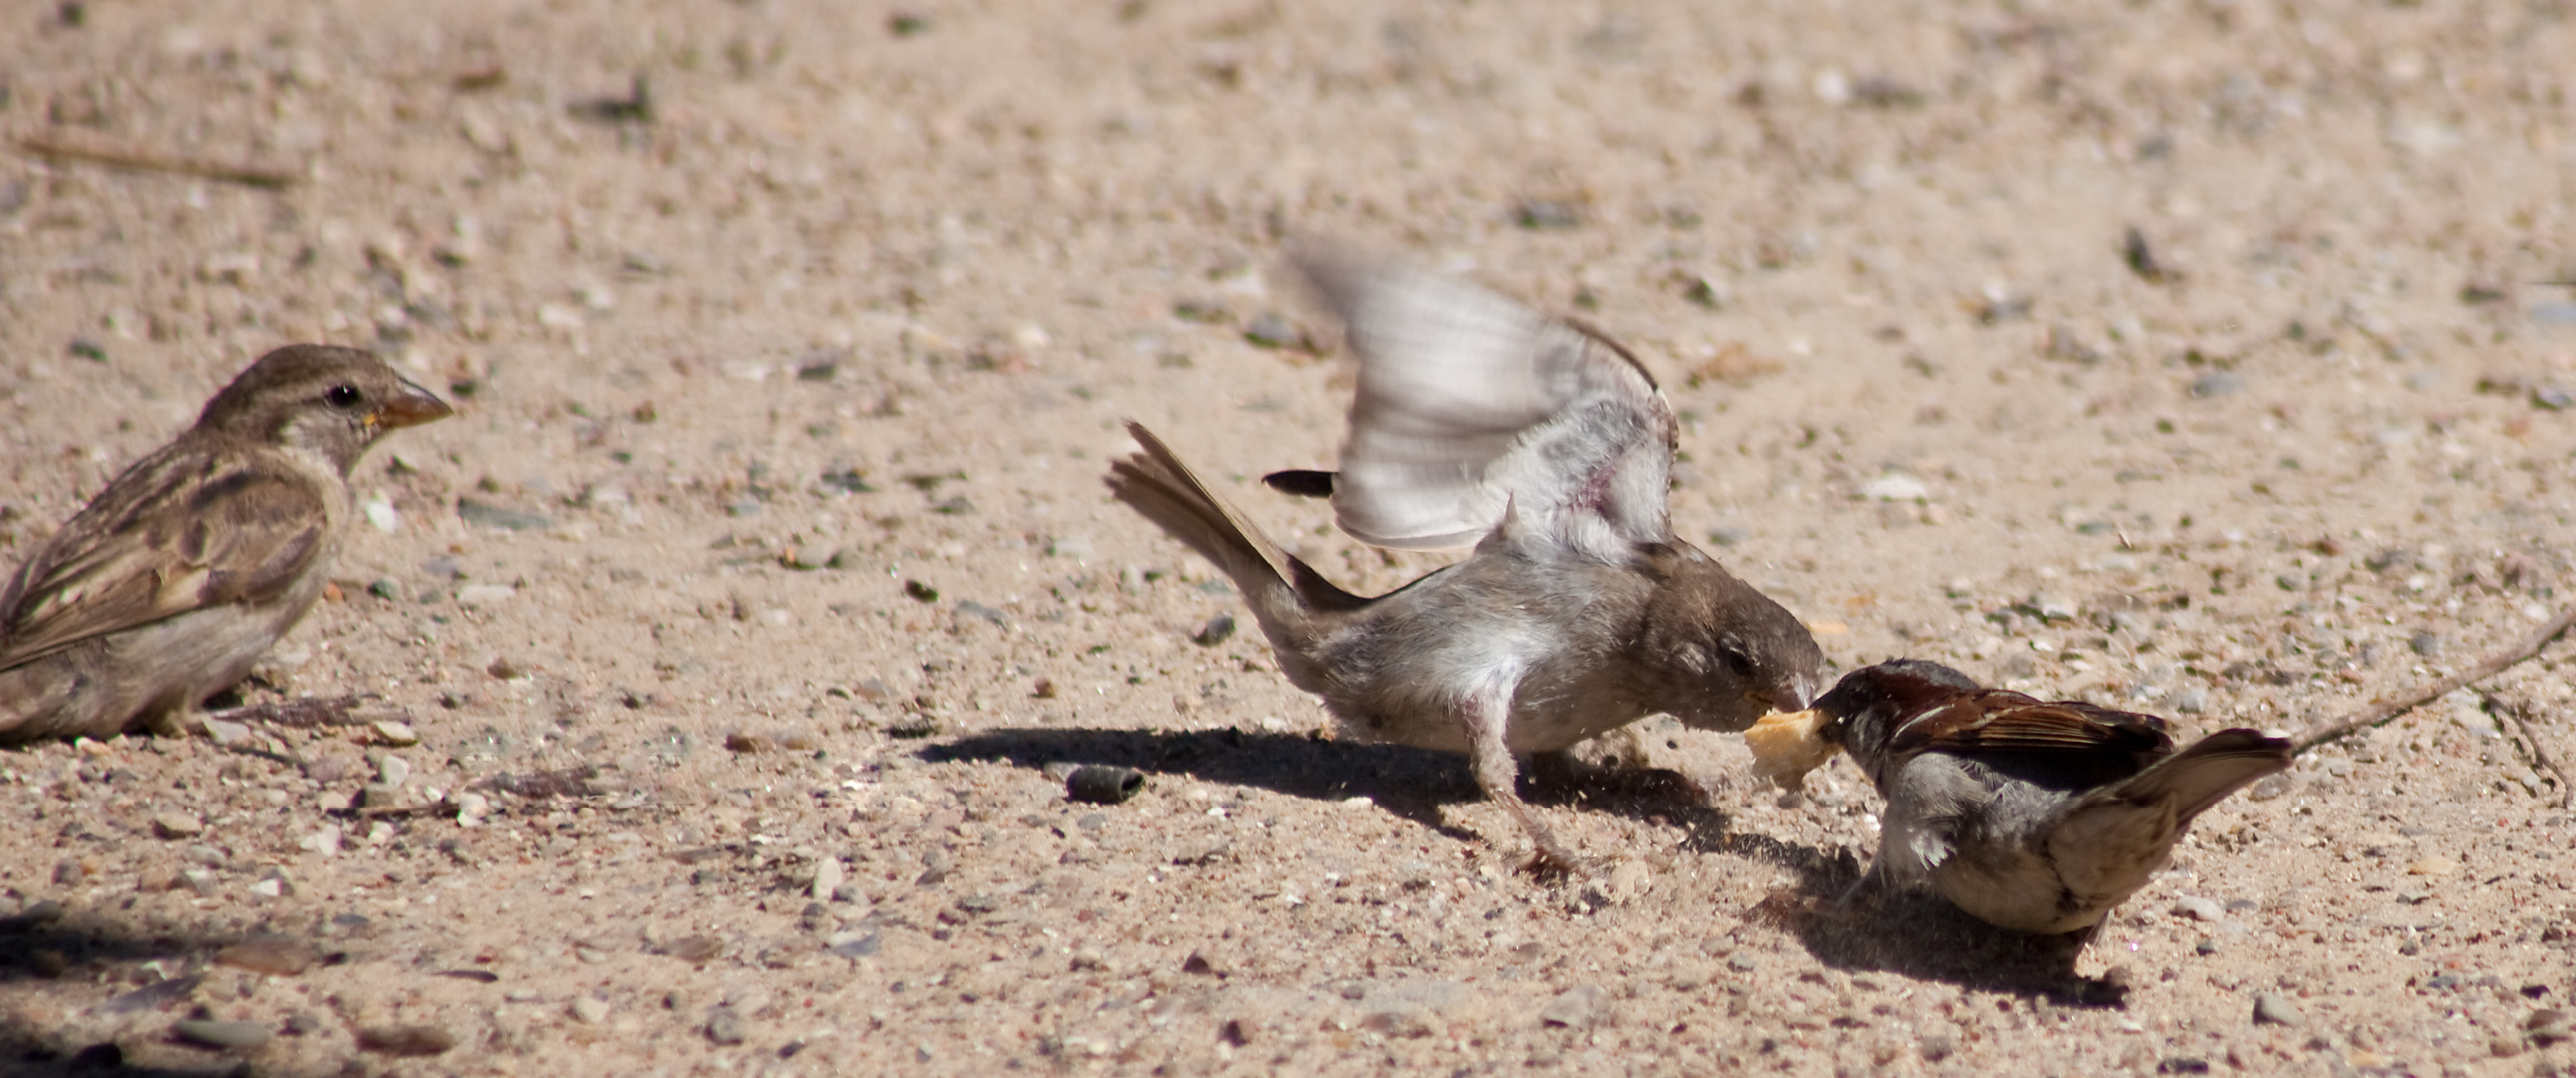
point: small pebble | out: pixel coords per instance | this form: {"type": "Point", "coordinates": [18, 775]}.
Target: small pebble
{"type": "Point", "coordinates": [2221, 384]}
{"type": "Point", "coordinates": [271, 956]}
{"type": "Point", "coordinates": [590, 1010]}
{"type": "Point", "coordinates": [828, 877]}
{"type": "Point", "coordinates": [2433, 866]}
{"type": "Point", "coordinates": [694, 949]}
{"type": "Point", "coordinates": [226, 732]}
{"type": "Point", "coordinates": [406, 1040]}
{"type": "Point", "coordinates": [1547, 213]}
{"type": "Point", "coordinates": [1273, 330]}
{"type": "Point", "coordinates": [1103, 784]}
{"type": "Point", "coordinates": [392, 732]}
{"type": "Point", "coordinates": [2275, 1009]}
{"type": "Point", "coordinates": [1579, 1007]}
{"type": "Point", "coordinates": [486, 515]}
{"type": "Point", "coordinates": [724, 1027]}
{"type": "Point", "coordinates": [484, 594]}
{"type": "Point", "coordinates": [1217, 631]}
{"type": "Point", "coordinates": [1894, 487]}
{"type": "Point", "coordinates": [393, 770]}
{"type": "Point", "coordinates": [170, 825]}
{"type": "Point", "coordinates": [2198, 909]}
{"type": "Point", "coordinates": [1743, 963]}
{"type": "Point", "coordinates": [225, 1035]}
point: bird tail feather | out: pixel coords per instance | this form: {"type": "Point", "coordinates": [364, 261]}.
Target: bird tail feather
{"type": "Point", "coordinates": [2209, 770]}
{"type": "Point", "coordinates": [1280, 588]}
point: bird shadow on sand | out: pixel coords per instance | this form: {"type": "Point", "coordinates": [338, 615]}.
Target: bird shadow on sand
{"type": "Point", "coordinates": [152, 986]}
{"type": "Point", "coordinates": [1920, 937]}
{"type": "Point", "coordinates": [1411, 783]}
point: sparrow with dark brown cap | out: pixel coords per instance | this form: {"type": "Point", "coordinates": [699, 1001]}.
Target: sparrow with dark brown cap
{"type": "Point", "coordinates": [2030, 815]}
{"type": "Point", "coordinates": [168, 585]}
{"type": "Point", "coordinates": [1548, 448]}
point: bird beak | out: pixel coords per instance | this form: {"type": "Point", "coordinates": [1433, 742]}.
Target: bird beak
{"type": "Point", "coordinates": [411, 408]}
{"type": "Point", "coordinates": [1788, 697]}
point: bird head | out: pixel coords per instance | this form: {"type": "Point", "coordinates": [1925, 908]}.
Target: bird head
{"type": "Point", "coordinates": [330, 402]}
{"type": "Point", "coordinates": [1863, 710]}
{"type": "Point", "coordinates": [1729, 653]}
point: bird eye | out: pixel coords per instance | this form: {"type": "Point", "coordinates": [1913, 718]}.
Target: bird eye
{"type": "Point", "coordinates": [344, 397]}
{"type": "Point", "coordinates": [1736, 659]}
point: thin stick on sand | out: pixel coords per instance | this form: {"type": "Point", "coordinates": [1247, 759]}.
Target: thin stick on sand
{"type": "Point", "coordinates": [133, 157]}
{"type": "Point", "coordinates": [2386, 710]}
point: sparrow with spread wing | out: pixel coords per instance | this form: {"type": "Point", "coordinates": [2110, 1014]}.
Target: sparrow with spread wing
{"type": "Point", "coordinates": [2030, 815]}
{"type": "Point", "coordinates": [168, 585]}
{"type": "Point", "coordinates": [1547, 447]}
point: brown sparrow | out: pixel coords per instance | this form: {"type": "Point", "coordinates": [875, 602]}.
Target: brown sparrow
{"type": "Point", "coordinates": [1547, 447]}
{"type": "Point", "coordinates": [168, 585]}
{"type": "Point", "coordinates": [2032, 816]}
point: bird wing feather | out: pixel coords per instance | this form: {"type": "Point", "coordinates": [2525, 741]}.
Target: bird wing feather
{"type": "Point", "coordinates": [2001, 721]}
{"type": "Point", "coordinates": [189, 531]}
{"type": "Point", "coordinates": [1471, 408]}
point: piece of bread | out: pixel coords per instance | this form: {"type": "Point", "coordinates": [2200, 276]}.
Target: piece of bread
{"type": "Point", "coordinates": [1785, 746]}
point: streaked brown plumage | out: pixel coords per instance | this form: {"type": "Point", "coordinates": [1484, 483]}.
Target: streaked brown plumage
{"type": "Point", "coordinates": [2032, 815]}
{"type": "Point", "coordinates": [172, 581]}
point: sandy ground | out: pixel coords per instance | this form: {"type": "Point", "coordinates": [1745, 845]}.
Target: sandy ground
{"type": "Point", "coordinates": [770, 545]}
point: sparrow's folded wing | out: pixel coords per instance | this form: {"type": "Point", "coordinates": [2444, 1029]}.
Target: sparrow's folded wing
{"type": "Point", "coordinates": [1469, 404]}
{"type": "Point", "coordinates": [1997, 721]}
{"type": "Point", "coordinates": [186, 533]}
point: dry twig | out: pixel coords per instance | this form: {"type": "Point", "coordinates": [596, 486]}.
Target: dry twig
{"type": "Point", "coordinates": [2386, 710]}
{"type": "Point", "coordinates": [136, 157]}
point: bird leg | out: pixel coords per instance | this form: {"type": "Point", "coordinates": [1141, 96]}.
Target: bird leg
{"type": "Point", "coordinates": [1497, 773]}
{"type": "Point", "coordinates": [1869, 890]}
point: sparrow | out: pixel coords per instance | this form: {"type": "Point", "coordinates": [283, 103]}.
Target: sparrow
{"type": "Point", "coordinates": [2033, 816]}
{"type": "Point", "coordinates": [1548, 448]}
{"type": "Point", "coordinates": [166, 587]}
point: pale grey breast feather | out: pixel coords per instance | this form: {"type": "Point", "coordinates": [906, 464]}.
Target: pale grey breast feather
{"type": "Point", "coordinates": [1469, 403]}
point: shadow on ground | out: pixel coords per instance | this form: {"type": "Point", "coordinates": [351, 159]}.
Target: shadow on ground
{"type": "Point", "coordinates": [148, 982]}
{"type": "Point", "coordinates": [1921, 937]}
{"type": "Point", "coordinates": [1411, 783]}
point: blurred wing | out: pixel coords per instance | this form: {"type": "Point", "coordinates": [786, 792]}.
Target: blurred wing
{"type": "Point", "coordinates": [1998, 721]}
{"type": "Point", "coordinates": [1469, 403]}
{"type": "Point", "coordinates": [171, 536]}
